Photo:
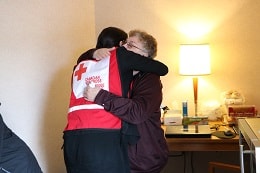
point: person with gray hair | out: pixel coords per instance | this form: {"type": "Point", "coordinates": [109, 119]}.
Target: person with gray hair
{"type": "Point", "coordinates": [142, 108]}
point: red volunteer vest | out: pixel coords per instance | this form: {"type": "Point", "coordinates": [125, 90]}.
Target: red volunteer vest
{"type": "Point", "coordinates": [83, 114]}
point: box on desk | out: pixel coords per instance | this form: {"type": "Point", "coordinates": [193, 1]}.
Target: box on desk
{"type": "Point", "coordinates": [172, 118]}
{"type": "Point", "coordinates": [186, 127]}
{"type": "Point", "coordinates": [240, 111]}
{"type": "Point", "coordinates": [195, 120]}
{"type": "Point", "coordinates": [188, 131]}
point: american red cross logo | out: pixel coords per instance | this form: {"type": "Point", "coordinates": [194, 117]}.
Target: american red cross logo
{"type": "Point", "coordinates": [80, 71]}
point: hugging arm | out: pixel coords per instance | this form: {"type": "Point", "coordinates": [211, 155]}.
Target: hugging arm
{"type": "Point", "coordinates": [146, 97]}
{"type": "Point", "coordinates": [87, 55]}
{"type": "Point", "coordinates": [130, 60]}
{"type": "Point", "coordinates": [96, 54]}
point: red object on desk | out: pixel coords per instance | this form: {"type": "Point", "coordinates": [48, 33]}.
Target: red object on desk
{"type": "Point", "coordinates": [241, 111]}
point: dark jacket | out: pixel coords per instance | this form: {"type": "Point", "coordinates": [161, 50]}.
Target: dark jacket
{"type": "Point", "coordinates": [150, 154]}
{"type": "Point", "coordinates": [15, 155]}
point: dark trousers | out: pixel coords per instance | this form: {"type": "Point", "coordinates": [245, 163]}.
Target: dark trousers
{"type": "Point", "coordinates": [95, 151]}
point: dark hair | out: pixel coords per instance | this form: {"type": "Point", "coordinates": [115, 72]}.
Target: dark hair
{"type": "Point", "coordinates": [110, 37]}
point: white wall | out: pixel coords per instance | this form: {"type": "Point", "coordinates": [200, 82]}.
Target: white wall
{"type": "Point", "coordinates": [230, 27]}
{"type": "Point", "coordinates": [39, 44]}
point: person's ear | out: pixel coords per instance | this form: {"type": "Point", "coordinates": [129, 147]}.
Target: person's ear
{"type": "Point", "coordinates": [121, 43]}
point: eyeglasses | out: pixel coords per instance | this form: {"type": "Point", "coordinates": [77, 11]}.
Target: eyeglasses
{"type": "Point", "coordinates": [131, 45]}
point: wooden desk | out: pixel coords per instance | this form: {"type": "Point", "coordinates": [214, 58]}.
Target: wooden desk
{"type": "Point", "coordinates": [203, 144]}
{"type": "Point", "coordinates": [188, 146]}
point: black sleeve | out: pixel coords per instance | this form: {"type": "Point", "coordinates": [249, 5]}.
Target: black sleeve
{"type": "Point", "coordinates": [130, 60]}
{"type": "Point", "coordinates": [87, 55]}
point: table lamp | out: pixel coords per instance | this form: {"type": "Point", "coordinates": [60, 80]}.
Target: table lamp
{"type": "Point", "coordinates": [194, 61]}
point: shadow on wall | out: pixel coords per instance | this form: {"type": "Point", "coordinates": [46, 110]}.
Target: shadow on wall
{"type": "Point", "coordinates": [55, 119]}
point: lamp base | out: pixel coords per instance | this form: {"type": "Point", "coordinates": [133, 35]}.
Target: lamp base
{"type": "Point", "coordinates": [195, 90]}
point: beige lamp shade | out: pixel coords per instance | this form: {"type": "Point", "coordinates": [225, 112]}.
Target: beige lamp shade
{"type": "Point", "coordinates": [194, 59]}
